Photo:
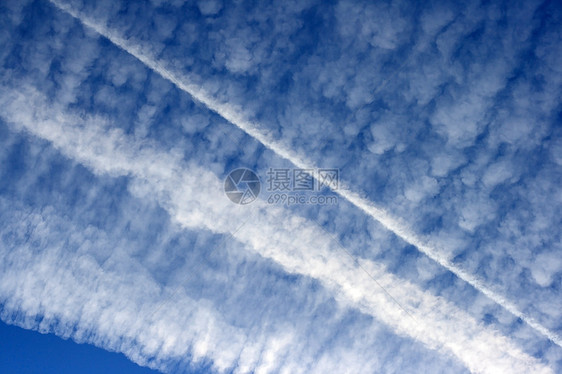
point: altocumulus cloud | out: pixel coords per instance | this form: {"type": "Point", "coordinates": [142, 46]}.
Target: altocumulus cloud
{"type": "Point", "coordinates": [441, 114]}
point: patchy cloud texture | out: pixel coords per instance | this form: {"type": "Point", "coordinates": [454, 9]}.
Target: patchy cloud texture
{"type": "Point", "coordinates": [446, 115]}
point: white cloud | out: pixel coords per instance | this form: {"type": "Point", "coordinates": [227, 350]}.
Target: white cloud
{"type": "Point", "coordinates": [498, 172]}
{"type": "Point", "coordinates": [299, 246]}
{"type": "Point", "coordinates": [545, 266]}
{"type": "Point", "coordinates": [209, 7]}
{"type": "Point", "coordinates": [475, 99]}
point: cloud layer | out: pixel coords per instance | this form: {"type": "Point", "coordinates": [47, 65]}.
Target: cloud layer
{"type": "Point", "coordinates": [444, 115]}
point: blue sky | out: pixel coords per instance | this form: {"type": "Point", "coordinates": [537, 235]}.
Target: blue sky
{"type": "Point", "coordinates": [25, 351]}
{"type": "Point", "coordinates": [119, 122]}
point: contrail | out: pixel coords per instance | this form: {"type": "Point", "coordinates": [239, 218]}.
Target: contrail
{"type": "Point", "coordinates": [299, 246]}
{"type": "Point", "coordinates": [233, 114]}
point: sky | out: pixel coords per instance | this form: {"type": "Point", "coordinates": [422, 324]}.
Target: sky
{"type": "Point", "coordinates": [281, 187]}
{"type": "Point", "coordinates": [51, 354]}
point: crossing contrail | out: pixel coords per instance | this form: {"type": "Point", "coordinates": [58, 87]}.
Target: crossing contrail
{"type": "Point", "coordinates": [235, 116]}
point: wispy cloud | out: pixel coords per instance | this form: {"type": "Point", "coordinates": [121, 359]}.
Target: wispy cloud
{"type": "Point", "coordinates": [443, 114]}
{"type": "Point", "coordinates": [299, 246]}
{"type": "Point", "coordinates": [235, 115]}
